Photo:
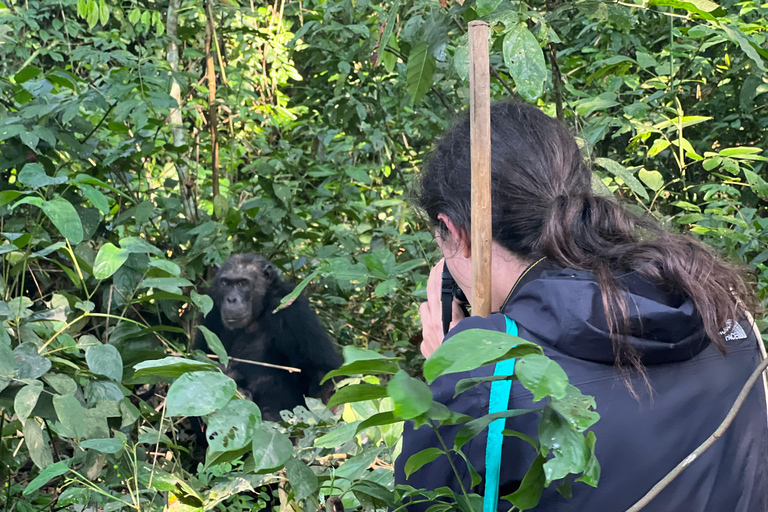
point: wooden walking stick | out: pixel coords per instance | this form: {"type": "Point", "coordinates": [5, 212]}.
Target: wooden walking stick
{"type": "Point", "coordinates": [480, 143]}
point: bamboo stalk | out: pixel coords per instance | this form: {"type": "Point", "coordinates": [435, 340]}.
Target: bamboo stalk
{"type": "Point", "coordinates": [480, 142]}
{"type": "Point", "coordinates": [212, 107]}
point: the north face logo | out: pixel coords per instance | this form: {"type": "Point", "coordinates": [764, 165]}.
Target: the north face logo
{"type": "Point", "coordinates": [733, 331]}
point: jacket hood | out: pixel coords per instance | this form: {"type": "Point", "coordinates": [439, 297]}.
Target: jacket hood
{"type": "Point", "coordinates": [564, 308]}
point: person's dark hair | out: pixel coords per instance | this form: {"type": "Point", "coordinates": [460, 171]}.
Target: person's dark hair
{"type": "Point", "coordinates": [544, 205]}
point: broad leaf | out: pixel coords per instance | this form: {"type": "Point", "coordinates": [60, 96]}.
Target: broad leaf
{"type": "Point", "coordinates": [170, 367]}
{"type": "Point", "coordinates": [214, 343]}
{"type": "Point", "coordinates": [71, 414]}
{"type": "Point", "coordinates": [199, 394]}
{"type": "Point", "coordinates": [568, 447]}
{"type": "Point", "coordinates": [417, 460]}
{"type": "Point", "coordinates": [421, 67]}
{"type": "Point", "coordinates": [105, 360]}
{"type": "Point", "coordinates": [474, 427]}
{"type": "Point", "coordinates": [108, 445]}
{"type": "Point", "coordinates": [232, 427]}
{"type": "Point", "coordinates": [411, 397]}
{"type": "Point", "coordinates": [33, 176]}
{"type": "Point", "coordinates": [541, 376]}
{"type": "Point", "coordinates": [473, 348]}
{"type": "Point", "coordinates": [270, 448]}
{"type": "Point", "coordinates": [591, 475]}
{"type": "Point", "coordinates": [576, 408]}
{"type": "Point", "coordinates": [108, 260]}
{"type": "Point", "coordinates": [357, 393]}
{"type": "Point", "coordinates": [303, 481]}
{"type": "Point", "coordinates": [624, 175]}
{"type": "Point", "coordinates": [28, 363]}
{"type": "Point", "coordinates": [653, 179]}
{"type": "Point", "coordinates": [64, 216]}
{"type": "Point", "coordinates": [527, 496]}
{"type": "Point", "coordinates": [525, 61]}
{"type": "Point", "coordinates": [39, 451]}
{"type": "Point", "coordinates": [26, 399]}
{"type": "Point", "coordinates": [338, 436]}
{"type": "Point", "coordinates": [46, 475]}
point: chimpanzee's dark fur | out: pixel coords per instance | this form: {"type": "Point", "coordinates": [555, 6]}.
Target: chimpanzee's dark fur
{"type": "Point", "coordinates": [245, 291]}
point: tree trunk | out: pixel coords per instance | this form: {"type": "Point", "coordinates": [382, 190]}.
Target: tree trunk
{"type": "Point", "coordinates": [212, 111]}
{"type": "Point", "coordinates": [186, 185]}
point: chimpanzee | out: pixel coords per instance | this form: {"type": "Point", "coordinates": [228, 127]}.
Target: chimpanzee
{"type": "Point", "coordinates": [245, 291]}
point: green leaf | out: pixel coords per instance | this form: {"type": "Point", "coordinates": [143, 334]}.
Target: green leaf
{"type": "Point", "coordinates": [758, 184]}
{"type": "Point", "coordinates": [6, 360]}
{"type": "Point", "coordinates": [26, 399]}
{"type": "Point", "coordinates": [170, 367]}
{"type": "Point", "coordinates": [199, 394]}
{"type": "Point", "coordinates": [737, 36]}
{"type": "Point", "coordinates": [417, 460]}
{"type": "Point", "coordinates": [214, 343]}
{"type": "Point", "coordinates": [576, 408]}
{"type": "Point", "coordinates": [527, 496]}
{"type": "Point", "coordinates": [474, 427]}
{"type": "Point", "coordinates": [288, 299]}
{"type": "Point", "coordinates": [135, 16]}
{"type": "Point", "coordinates": [108, 260]}
{"type": "Point", "coordinates": [33, 176]}
{"type": "Point", "coordinates": [701, 7]}
{"type": "Point", "coordinates": [646, 60]}
{"type": "Point", "coordinates": [26, 74]}
{"type": "Point", "coordinates": [105, 360]}
{"type": "Point", "coordinates": [541, 376]}
{"type": "Point", "coordinates": [303, 480]}
{"type": "Point", "coordinates": [467, 384]}
{"type": "Point", "coordinates": [357, 393]}
{"type": "Point", "coordinates": [270, 448]}
{"type": "Point", "coordinates": [166, 266]}
{"type": "Point", "coordinates": [168, 284]}
{"type": "Point", "coordinates": [659, 145]}
{"type": "Point", "coordinates": [71, 414]}
{"type": "Point", "coordinates": [203, 302]}
{"type": "Point", "coordinates": [411, 397]}
{"type": "Point", "coordinates": [11, 130]}
{"type": "Point", "coordinates": [473, 348]}
{"type": "Point", "coordinates": [136, 245]}
{"type": "Point", "coordinates": [525, 60]}
{"type": "Point", "coordinates": [232, 427]}
{"type": "Point", "coordinates": [568, 447]}
{"type": "Point", "coordinates": [421, 67]}
{"type": "Point", "coordinates": [64, 216]}
{"type": "Point", "coordinates": [103, 12]}
{"type": "Point", "coordinates": [28, 363]}
{"type": "Point", "coordinates": [39, 451]}
{"type": "Point", "coordinates": [364, 367]}
{"type": "Point", "coordinates": [624, 175]}
{"type": "Point", "coordinates": [46, 475]}
{"type": "Point", "coordinates": [461, 62]}
{"type": "Point", "coordinates": [98, 199]}
{"type": "Point", "coordinates": [338, 436]}
{"type": "Point", "coordinates": [378, 420]}
{"type": "Point", "coordinates": [62, 384]}
{"type": "Point", "coordinates": [74, 496]}
{"type": "Point", "coordinates": [109, 445]}
{"type": "Point", "coordinates": [389, 26]}
{"type": "Point", "coordinates": [30, 140]}
{"type": "Point", "coordinates": [591, 475]}
{"type": "Point", "coordinates": [653, 179]}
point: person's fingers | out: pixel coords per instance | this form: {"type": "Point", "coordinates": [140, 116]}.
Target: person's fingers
{"type": "Point", "coordinates": [428, 343]}
{"type": "Point", "coordinates": [434, 284]}
{"type": "Point", "coordinates": [457, 313]}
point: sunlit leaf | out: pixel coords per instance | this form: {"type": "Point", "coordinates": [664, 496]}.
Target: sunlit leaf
{"type": "Point", "coordinates": [199, 394]}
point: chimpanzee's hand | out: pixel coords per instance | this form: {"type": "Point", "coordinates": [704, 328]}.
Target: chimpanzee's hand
{"type": "Point", "coordinates": [431, 312]}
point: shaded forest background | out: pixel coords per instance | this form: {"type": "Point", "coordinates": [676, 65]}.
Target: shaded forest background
{"type": "Point", "coordinates": [143, 141]}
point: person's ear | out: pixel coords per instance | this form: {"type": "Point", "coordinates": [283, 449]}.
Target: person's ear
{"type": "Point", "coordinates": [461, 235]}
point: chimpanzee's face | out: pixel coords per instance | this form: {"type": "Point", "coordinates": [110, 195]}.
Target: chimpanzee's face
{"type": "Point", "coordinates": [239, 290]}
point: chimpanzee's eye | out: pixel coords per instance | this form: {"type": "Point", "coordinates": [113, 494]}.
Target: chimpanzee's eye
{"type": "Point", "coordinates": [240, 284]}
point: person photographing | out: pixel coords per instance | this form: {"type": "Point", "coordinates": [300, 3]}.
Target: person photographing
{"type": "Point", "coordinates": [648, 322]}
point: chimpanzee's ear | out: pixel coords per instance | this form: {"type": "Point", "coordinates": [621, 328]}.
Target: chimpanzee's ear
{"type": "Point", "coordinates": [269, 271]}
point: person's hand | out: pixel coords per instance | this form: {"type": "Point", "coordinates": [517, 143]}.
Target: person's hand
{"type": "Point", "coordinates": [431, 312]}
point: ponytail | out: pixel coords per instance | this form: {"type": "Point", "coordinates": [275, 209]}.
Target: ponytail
{"type": "Point", "coordinates": [543, 205]}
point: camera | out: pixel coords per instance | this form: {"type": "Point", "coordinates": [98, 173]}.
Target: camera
{"type": "Point", "coordinates": [449, 291]}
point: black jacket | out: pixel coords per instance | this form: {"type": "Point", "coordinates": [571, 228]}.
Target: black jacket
{"type": "Point", "coordinates": [638, 442]}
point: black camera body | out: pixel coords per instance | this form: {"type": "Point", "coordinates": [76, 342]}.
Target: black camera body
{"type": "Point", "coordinates": [449, 291]}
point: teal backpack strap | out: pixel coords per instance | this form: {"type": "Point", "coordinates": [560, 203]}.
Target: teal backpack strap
{"type": "Point", "coordinates": [499, 401]}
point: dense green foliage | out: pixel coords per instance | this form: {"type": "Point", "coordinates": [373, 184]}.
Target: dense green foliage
{"type": "Point", "coordinates": [114, 205]}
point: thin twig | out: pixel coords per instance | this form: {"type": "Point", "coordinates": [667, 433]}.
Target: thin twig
{"type": "Point", "coordinates": [706, 445]}
{"type": "Point", "coordinates": [290, 369]}
{"type": "Point", "coordinates": [556, 82]}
